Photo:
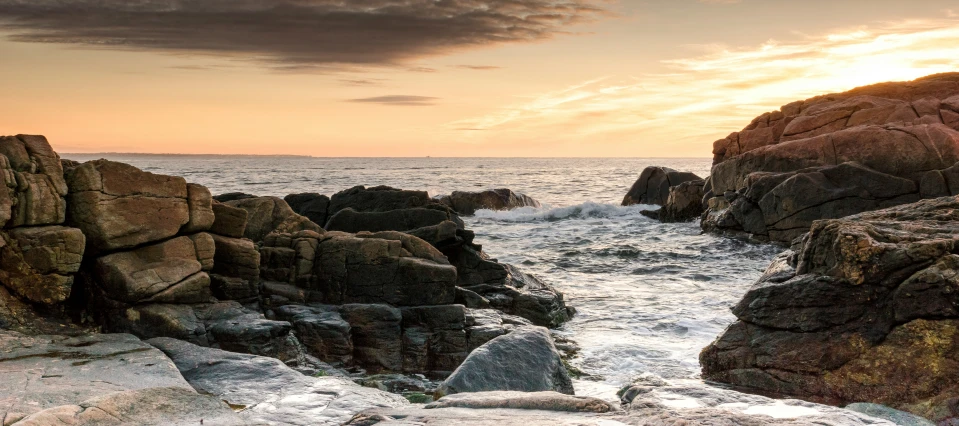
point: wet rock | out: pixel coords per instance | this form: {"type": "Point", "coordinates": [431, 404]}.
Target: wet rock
{"type": "Point", "coordinates": [42, 372]}
{"type": "Point", "coordinates": [38, 263]}
{"type": "Point", "coordinates": [854, 321]}
{"type": "Point", "coordinates": [310, 204]}
{"type": "Point", "coordinates": [118, 206]}
{"type": "Point", "coordinates": [324, 332]}
{"type": "Point", "coordinates": [524, 360]}
{"type": "Point", "coordinates": [386, 267]}
{"type": "Point", "coordinates": [349, 220]}
{"type": "Point", "coordinates": [653, 185]}
{"type": "Point", "coordinates": [467, 203]}
{"type": "Point", "coordinates": [377, 199]}
{"type": "Point", "coordinates": [236, 269]}
{"type": "Point", "coordinates": [685, 202]}
{"type": "Point", "coordinates": [880, 411]}
{"type": "Point", "coordinates": [146, 407]}
{"type": "Point", "coordinates": [547, 401]}
{"type": "Point", "coordinates": [271, 214]}
{"type": "Point", "coordinates": [229, 221]}
{"type": "Point", "coordinates": [270, 392]}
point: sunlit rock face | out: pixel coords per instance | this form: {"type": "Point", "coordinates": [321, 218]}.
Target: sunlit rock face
{"type": "Point", "coordinates": [835, 155]}
{"type": "Point", "coordinates": [865, 310]}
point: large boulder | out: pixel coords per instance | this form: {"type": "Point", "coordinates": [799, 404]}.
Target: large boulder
{"type": "Point", "coordinates": [268, 392]}
{"type": "Point", "coordinates": [31, 182]}
{"type": "Point", "coordinates": [467, 203]}
{"type": "Point", "coordinates": [310, 204]}
{"type": "Point", "coordinates": [384, 267]}
{"type": "Point", "coordinates": [377, 199]}
{"type": "Point", "coordinates": [685, 202]}
{"type": "Point", "coordinates": [229, 221]}
{"type": "Point", "coordinates": [525, 360]}
{"type": "Point", "coordinates": [271, 214]}
{"type": "Point", "coordinates": [39, 263]}
{"type": "Point", "coordinates": [349, 220]}
{"type": "Point", "coordinates": [322, 331]}
{"type": "Point", "coordinates": [236, 269]}
{"type": "Point", "coordinates": [41, 372]}
{"type": "Point", "coordinates": [828, 156]}
{"type": "Point", "coordinates": [118, 206]}
{"type": "Point", "coordinates": [652, 186]}
{"type": "Point", "coordinates": [863, 311]}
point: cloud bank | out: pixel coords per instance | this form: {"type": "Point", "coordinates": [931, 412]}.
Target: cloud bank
{"type": "Point", "coordinates": [705, 97]}
{"type": "Point", "coordinates": [294, 33]}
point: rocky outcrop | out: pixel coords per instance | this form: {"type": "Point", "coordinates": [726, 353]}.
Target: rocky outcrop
{"type": "Point", "coordinates": [265, 391]}
{"type": "Point", "coordinates": [271, 214]}
{"type": "Point", "coordinates": [39, 263]}
{"type": "Point", "coordinates": [467, 203]}
{"type": "Point", "coordinates": [44, 372]}
{"type": "Point", "coordinates": [33, 185]}
{"type": "Point", "coordinates": [829, 156]}
{"type": "Point", "coordinates": [349, 220]}
{"type": "Point", "coordinates": [313, 206]}
{"type": "Point", "coordinates": [685, 202]}
{"type": "Point", "coordinates": [377, 199]}
{"type": "Point", "coordinates": [525, 360]}
{"type": "Point", "coordinates": [863, 311]}
{"type": "Point", "coordinates": [653, 185]}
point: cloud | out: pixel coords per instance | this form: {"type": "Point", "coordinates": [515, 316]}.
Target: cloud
{"type": "Point", "coordinates": [294, 34]}
{"type": "Point", "coordinates": [720, 1]}
{"type": "Point", "coordinates": [479, 67]}
{"type": "Point", "coordinates": [703, 98]}
{"type": "Point", "coordinates": [361, 82]}
{"type": "Point", "coordinates": [398, 100]}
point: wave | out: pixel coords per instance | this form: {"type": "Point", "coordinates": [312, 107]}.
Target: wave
{"type": "Point", "coordinates": [587, 210]}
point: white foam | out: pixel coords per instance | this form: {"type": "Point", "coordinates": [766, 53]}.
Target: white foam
{"type": "Point", "coordinates": [585, 210]}
{"type": "Point", "coordinates": [781, 411]}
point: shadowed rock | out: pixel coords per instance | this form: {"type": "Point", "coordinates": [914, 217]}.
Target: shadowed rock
{"type": "Point", "coordinates": [467, 203]}
{"type": "Point", "coordinates": [310, 204]}
{"type": "Point", "coordinates": [653, 185]}
{"type": "Point", "coordinates": [377, 199]}
{"type": "Point", "coordinates": [271, 214]}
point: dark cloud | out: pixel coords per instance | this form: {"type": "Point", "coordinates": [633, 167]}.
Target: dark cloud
{"type": "Point", "coordinates": [294, 34]}
{"type": "Point", "coordinates": [479, 67]}
{"type": "Point", "coordinates": [402, 100]}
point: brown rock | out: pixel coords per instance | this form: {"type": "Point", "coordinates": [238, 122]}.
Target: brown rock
{"type": "Point", "coordinates": [271, 214]}
{"type": "Point", "coordinates": [468, 203]}
{"type": "Point", "coordinates": [39, 263]}
{"type": "Point", "coordinates": [653, 185]}
{"type": "Point", "coordinates": [236, 271]}
{"type": "Point", "coordinates": [229, 221]}
{"type": "Point", "coordinates": [166, 270]}
{"type": "Point", "coordinates": [200, 203]}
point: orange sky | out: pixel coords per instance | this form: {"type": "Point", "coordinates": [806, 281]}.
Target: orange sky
{"type": "Point", "coordinates": [641, 78]}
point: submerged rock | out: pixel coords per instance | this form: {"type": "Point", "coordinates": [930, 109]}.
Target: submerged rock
{"type": "Point", "coordinates": [268, 392]}
{"type": "Point", "coordinates": [525, 360]}
{"type": "Point", "coordinates": [653, 185]}
{"type": "Point", "coordinates": [467, 203]}
{"type": "Point", "coordinates": [864, 311]}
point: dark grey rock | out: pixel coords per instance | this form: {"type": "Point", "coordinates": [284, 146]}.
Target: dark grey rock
{"type": "Point", "coordinates": [310, 204]}
{"type": "Point", "coordinates": [653, 185]}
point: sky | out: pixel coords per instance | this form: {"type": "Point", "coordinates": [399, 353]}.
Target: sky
{"type": "Point", "coordinates": [442, 78]}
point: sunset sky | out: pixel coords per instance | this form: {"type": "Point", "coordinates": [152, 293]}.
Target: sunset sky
{"type": "Point", "coordinates": [442, 77]}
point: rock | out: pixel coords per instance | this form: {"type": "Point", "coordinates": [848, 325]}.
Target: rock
{"type": "Point", "coordinates": [229, 221]}
{"type": "Point", "coordinates": [483, 325]}
{"type": "Point", "coordinates": [349, 220]}
{"type": "Point", "coordinates": [803, 146]}
{"type": "Point", "coordinates": [685, 202]}
{"type": "Point", "coordinates": [118, 206]}
{"type": "Point", "coordinates": [548, 401]}
{"type": "Point", "coordinates": [851, 317]}
{"type": "Point", "coordinates": [376, 199]}
{"type": "Point", "coordinates": [524, 360]}
{"type": "Point", "coordinates": [324, 332]}
{"type": "Point", "coordinates": [653, 185]}
{"type": "Point", "coordinates": [167, 272]}
{"type": "Point", "coordinates": [468, 203]}
{"type": "Point", "coordinates": [236, 269]}
{"type": "Point", "coordinates": [377, 335]}
{"type": "Point", "coordinates": [880, 411]}
{"type": "Point", "coordinates": [269, 392]}
{"type": "Point", "coordinates": [310, 204]}
{"type": "Point", "coordinates": [147, 407]}
{"type": "Point", "coordinates": [232, 196]}
{"type": "Point", "coordinates": [205, 248]}
{"type": "Point", "coordinates": [386, 267]}
{"type": "Point", "coordinates": [434, 338]}
{"type": "Point", "coordinates": [525, 296]}
{"type": "Point", "coordinates": [34, 182]}
{"type": "Point", "coordinates": [38, 263]}
{"type": "Point", "coordinates": [42, 372]}
{"type": "Point", "coordinates": [271, 214]}
{"type": "Point", "coordinates": [200, 203]}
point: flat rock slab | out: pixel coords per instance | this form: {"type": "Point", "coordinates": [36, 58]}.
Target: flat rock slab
{"type": "Point", "coordinates": [40, 372]}
{"type": "Point", "coordinates": [267, 391]}
{"type": "Point", "coordinates": [144, 407]}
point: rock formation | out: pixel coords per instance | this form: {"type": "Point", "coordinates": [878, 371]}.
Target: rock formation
{"type": "Point", "coordinates": [467, 203]}
{"type": "Point", "coordinates": [865, 310]}
{"type": "Point", "coordinates": [830, 156]}
{"type": "Point", "coordinates": [653, 185]}
{"type": "Point", "coordinates": [313, 206]}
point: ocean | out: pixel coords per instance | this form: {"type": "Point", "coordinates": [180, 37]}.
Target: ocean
{"type": "Point", "coordinates": [649, 296]}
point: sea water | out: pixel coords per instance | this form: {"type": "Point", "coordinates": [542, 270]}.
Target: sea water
{"type": "Point", "coordinates": [649, 296]}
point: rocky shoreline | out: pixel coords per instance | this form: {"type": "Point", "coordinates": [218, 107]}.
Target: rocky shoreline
{"type": "Point", "coordinates": [128, 297]}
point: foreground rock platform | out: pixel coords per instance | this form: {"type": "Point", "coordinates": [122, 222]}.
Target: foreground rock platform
{"type": "Point", "coordinates": [865, 310]}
